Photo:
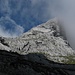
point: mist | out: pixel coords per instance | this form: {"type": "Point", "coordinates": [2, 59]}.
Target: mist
{"type": "Point", "coordinates": [65, 10]}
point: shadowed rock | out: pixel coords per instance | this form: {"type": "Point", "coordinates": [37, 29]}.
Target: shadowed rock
{"type": "Point", "coordinates": [31, 64]}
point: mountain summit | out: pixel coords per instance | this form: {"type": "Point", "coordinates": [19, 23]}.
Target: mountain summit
{"type": "Point", "coordinates": [43, 50]}
{"type": "Point", "coordinates": [48, 38]}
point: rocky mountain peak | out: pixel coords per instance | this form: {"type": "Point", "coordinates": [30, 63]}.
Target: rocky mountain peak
{"type": "Point", "coordinates": [52, 26]}
{"type": "Point", "coordinates": [43, 50]}
{"type": "Point", "coordinates": [47, 38]}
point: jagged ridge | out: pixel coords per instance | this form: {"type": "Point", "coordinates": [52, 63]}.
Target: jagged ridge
{"type": "Point", "coordinates": [47, 38]}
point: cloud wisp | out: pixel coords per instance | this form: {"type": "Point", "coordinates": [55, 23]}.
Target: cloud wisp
{"type": "Point", "coordinates": [9, 28]}
{"type": "Point", "coordinates": [65, 9]}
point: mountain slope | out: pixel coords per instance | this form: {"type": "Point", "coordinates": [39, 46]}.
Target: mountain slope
{"type": "Point", "coordinates": [48, 38]}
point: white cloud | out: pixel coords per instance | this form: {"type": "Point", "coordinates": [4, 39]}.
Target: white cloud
{"type": "Point", "coordinates": [9, 28]}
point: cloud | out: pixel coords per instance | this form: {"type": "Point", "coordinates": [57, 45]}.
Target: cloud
{"type": "Point", "coordinates": [65, 10]}
{"type": "Point", "coordinates": [4, 7]}
{"type": "Point", "coordinates": [8, 27]}
{"type": "Point", "coordinates": [4, 33]}
{"type": "Point", "coordinates": [25, 12]}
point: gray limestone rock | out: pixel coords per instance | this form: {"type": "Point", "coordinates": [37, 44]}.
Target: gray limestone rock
{"type": "Point", "coordinates": [43, 50]}
{"type": "Point", "coordinates": [47, 38]}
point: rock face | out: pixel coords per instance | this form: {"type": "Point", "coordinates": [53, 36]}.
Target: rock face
{"type": "Point", "coordinates": [37, 50]}
{"type": "Point", "coordinates": [47, 38]}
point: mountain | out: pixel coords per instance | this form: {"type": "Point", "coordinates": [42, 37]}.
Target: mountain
{"type": "Point", "coordinates": [46, 38]}
{"type": "Point", "coordinates": [43, 50]}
